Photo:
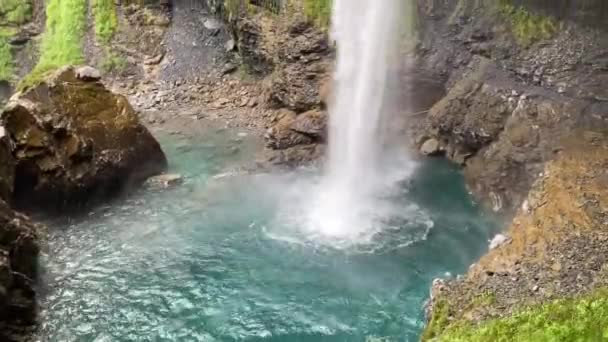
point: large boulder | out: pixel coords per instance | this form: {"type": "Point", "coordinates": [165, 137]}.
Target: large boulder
{"type": "Point", "coordinates": [18, 268]}
{"type": "Point", "coordinates": [74, 140]}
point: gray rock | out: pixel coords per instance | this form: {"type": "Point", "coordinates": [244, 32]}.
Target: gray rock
{"type": "Point", "coordinates": [430, 147]}
{"type": "Point", "coordinates": [499, 240]}
{"type": "Point", "coordinates": [165, 181]}
{"type": "Point", "coordinates": [154, 60]}
{"type": "Point", "coordinates": [229, 68]}
{"type": "Point", "coordinates": [230, 45]}
{"type": "Point", "coordinates": [87, 73]}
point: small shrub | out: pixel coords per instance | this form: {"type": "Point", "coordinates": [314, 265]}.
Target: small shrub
{"type": "Point", "coordinates": [113, 62]}
{"type": "Point", "coordinates": [527, 27]}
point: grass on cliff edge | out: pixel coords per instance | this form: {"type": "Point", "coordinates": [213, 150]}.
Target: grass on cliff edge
{"type": "Point", "coordinates": [583, 319]}
{"type": "Point", "coordinates": [105, 19]}
{"type": "Point", "coordinates": [62, 41]}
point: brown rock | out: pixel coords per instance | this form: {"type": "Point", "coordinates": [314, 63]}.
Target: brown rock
{"type": "Point", "coordinates": [73, 140]}
{"type": "Point", "coordinates": [312, 123]}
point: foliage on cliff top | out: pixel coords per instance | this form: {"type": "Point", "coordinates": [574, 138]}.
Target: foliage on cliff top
{"type": "Point", "coordinates": [6, 57]}
{"type": "Point", "coordinates": [581, 319]}
{"type": "Point", "coordinates": [319, 11]}
{"type": "Point", "coordinates": [528, 27]}
{"type": "Point", "coordinates": [62, 39]}
{"type": "Point", "coordinates": [106, 21]}
{"type": "Point", "coordinates": [15, 12]}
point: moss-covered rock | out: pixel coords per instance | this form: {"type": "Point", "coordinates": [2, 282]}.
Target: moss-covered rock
{"type": "Point", "coordinates": [73, 140]}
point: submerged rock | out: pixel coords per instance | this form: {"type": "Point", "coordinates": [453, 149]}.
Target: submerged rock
{"type": "Point", "coordinates": [73, 140]}
{"type": "Point", "coordinates": [18, 268]}
{"type": "Point", "coordinates": [164, 181]}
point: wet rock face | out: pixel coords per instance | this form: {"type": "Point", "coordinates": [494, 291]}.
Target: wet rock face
{"type": "Point", "coordinates": [18, 268]}
{"type": "Point", "coordinates": [73, 141]}
{"type": "Point", "coordinates": [501, 131]}
{"type": "Point", "coordinates": [7, 167]}
{"type": "Point", "coordinates": [301, 69]}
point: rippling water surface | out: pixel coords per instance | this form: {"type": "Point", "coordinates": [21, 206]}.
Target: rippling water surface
{"type": "Point", "coordinates": [218, 259]}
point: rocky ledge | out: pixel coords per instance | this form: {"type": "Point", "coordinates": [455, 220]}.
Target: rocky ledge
{"type": "Point", "coordinates": [556, 247]}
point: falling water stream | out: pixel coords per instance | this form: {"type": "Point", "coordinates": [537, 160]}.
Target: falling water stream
{"type": "Point", "coordinates": [342, 254]}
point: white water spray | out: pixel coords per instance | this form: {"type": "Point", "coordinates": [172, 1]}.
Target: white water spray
{"type": "Point", "coordinates": [358, 201]}
{"type": "Point", "coordinates": [366, 33]}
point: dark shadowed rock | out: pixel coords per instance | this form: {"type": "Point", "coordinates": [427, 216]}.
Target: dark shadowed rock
{"type": "Point", "coordinates": [73, 141]}
{"type": "Point", "coordinates": [18, 268]}
{"type": "Point", "coordinates": [7, 167]}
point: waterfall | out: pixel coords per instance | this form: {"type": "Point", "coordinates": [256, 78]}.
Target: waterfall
{"type": "Point", "coordinates": [367, 35]}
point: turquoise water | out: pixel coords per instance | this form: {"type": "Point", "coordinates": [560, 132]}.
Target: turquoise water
{"type": "Point", "coordinates": [209, 260]}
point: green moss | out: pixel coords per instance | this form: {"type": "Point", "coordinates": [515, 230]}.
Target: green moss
{"type": "Point", "coordinates": [527, 27]}
{"type": "Point", "coordinates": [6, 60]}
{"type": "Point", "coordinates": [113, 62]}
{"type": "Point", "coordinates": [62, 39]}
{"type": "Point", "coordinates": [583, 319]}
{"type": "Point", "coordinates": [439, 321]}
{"type": "Point", "coordinates": [15, 12]}
{"type": "Point", "coordinates": [106, 21]}
{"type": "Point", "coordinates": [319, 11]}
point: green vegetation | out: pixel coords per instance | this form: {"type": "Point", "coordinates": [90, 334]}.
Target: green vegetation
{"type": "Point", "coordinates": [528, 27]}
{"type": "Point", "coordinates": [15, 12]}
{"type": "Point", "coordinates": [113, 62]}
{"type": "Point", "coordinates": [61, 43]}
{"type": "Point", "coordinates": [439, 321]}
{"type": "Point", "coordinates": [319, 11]}
{"type": "Point", "coordinates": [6, 57]}
{"type": "Point", "coordinates": [12, 14]}
{"type": "Point", "coordinates": [106, 21]}
{"type": "Point", "coordinates": [583, 319]}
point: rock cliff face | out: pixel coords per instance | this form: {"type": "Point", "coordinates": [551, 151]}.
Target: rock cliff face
{"type": "Point", "coordinates": [72, 140]}
{"type": "Point", "coordinates": [526, 115]}
{"type": "Point", "coordinates": [292, 57]}
{"type": "Point", "coordinates": [518, 80]}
